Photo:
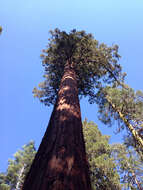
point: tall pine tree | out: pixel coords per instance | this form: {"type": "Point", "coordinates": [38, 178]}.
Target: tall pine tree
{"type": "Point", "coordinates": [74, 64]}
{"type": "Point", "coordinates": [125, 106]}
{"type": "Point", "coordinates": [102, 167]}
{"type": "Point", "coordinates": [18, 167]}
{"type": "Point", "coordinates": [129, 166]}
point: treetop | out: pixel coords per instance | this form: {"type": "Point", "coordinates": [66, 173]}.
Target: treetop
{"type": "Point", "coordinates": [95, 64]}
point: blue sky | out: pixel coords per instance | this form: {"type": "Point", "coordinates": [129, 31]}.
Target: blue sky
{"type": "Point", "coordinates": [25, 33]}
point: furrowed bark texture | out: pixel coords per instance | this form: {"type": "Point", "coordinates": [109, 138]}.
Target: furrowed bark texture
{"type": "Point", "coordinates": [60, 163]}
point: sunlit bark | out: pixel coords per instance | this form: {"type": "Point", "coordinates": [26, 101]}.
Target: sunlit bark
{"type": "Point", "coordinates": [60, 163]}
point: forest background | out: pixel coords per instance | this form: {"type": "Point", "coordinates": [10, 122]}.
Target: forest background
{"type": "Point", "coordinates": [25, 33]}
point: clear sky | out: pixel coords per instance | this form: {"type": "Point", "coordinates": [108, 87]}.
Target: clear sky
{"type": "Point", "coordinates": [25, 33]}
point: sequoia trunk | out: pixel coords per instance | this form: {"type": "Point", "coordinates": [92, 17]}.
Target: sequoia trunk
{"type": "Point", "coordinates": [60, 163]}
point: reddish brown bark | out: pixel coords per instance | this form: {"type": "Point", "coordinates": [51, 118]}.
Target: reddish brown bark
{"type": "Point", "coordinates": [60, 163]}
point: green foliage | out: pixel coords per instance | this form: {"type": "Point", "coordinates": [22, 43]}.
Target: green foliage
{"type": "Point", "coordinates": [95, 64]}
{"type": "Point", "coordinates": [129, 166]}
{"type": "Point", "coordinates": [4, 187]}
{"type": "Point", "coordinates": [131, 143]}
{"type": "Point", "coordinates": [22, 158]}
{"type": "Point", "coordinates": [126, 101]}
{"type": "Point", "coordinates": [129, 102]}
{"type": "Point", "coordinates": [107, 163]}
{"type": "Point", "coordinates": [102, 167]}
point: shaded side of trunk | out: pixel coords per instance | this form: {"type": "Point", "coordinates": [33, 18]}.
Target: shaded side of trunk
{"type": "Point", "coordinates": [134, 133]}
{"type": "Point", "coordinates": [60, 163]}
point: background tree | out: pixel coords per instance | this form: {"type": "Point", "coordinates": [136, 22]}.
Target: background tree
{"type": "Point", "coordinates": [129, 166]}
{"type": "Point", "coordinates": [125, 106]}
{"type": "Point", "coordinates": [74, 64]}
{"type": "Point", "coordinates": [3, 185]}
{"type": "Point", "coordinates": [95, 64]}
{"type": "Point", "coordinates": [103, 170]}
{"type": "Point", "coordinates": [130, 143]}
{"type": "Point", "coordinates": [105, 161]}
{"type": "Point", "coordinates": [22, 158]}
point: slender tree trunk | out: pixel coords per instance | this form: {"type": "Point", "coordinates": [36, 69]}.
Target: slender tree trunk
{"type": "Point", "coordinates": [20, 178]}
{"type": "Point", "coordinates": [134, 133]}
{"type": "Point", "coordinates": [60, 163]}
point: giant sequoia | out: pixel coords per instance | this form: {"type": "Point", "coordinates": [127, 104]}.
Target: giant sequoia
{"type": "Point", "coordinates": [75, 65]}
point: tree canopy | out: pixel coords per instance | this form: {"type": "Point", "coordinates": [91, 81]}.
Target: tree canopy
{"type": "Point", "coordinates": [129, 102]}
{"type": "Point", "coordinates": [22, 159]}
{"type": "Point", "coordinates": [103, 169]}
{"type": "Point", "coordinates": [129, 166]}
{"type": "Point", "coordinates": [95, 64]}
{"type": "Point", "coordinates": [112, 166]}
{"type": "Point", "coordinates": [125, 106]}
